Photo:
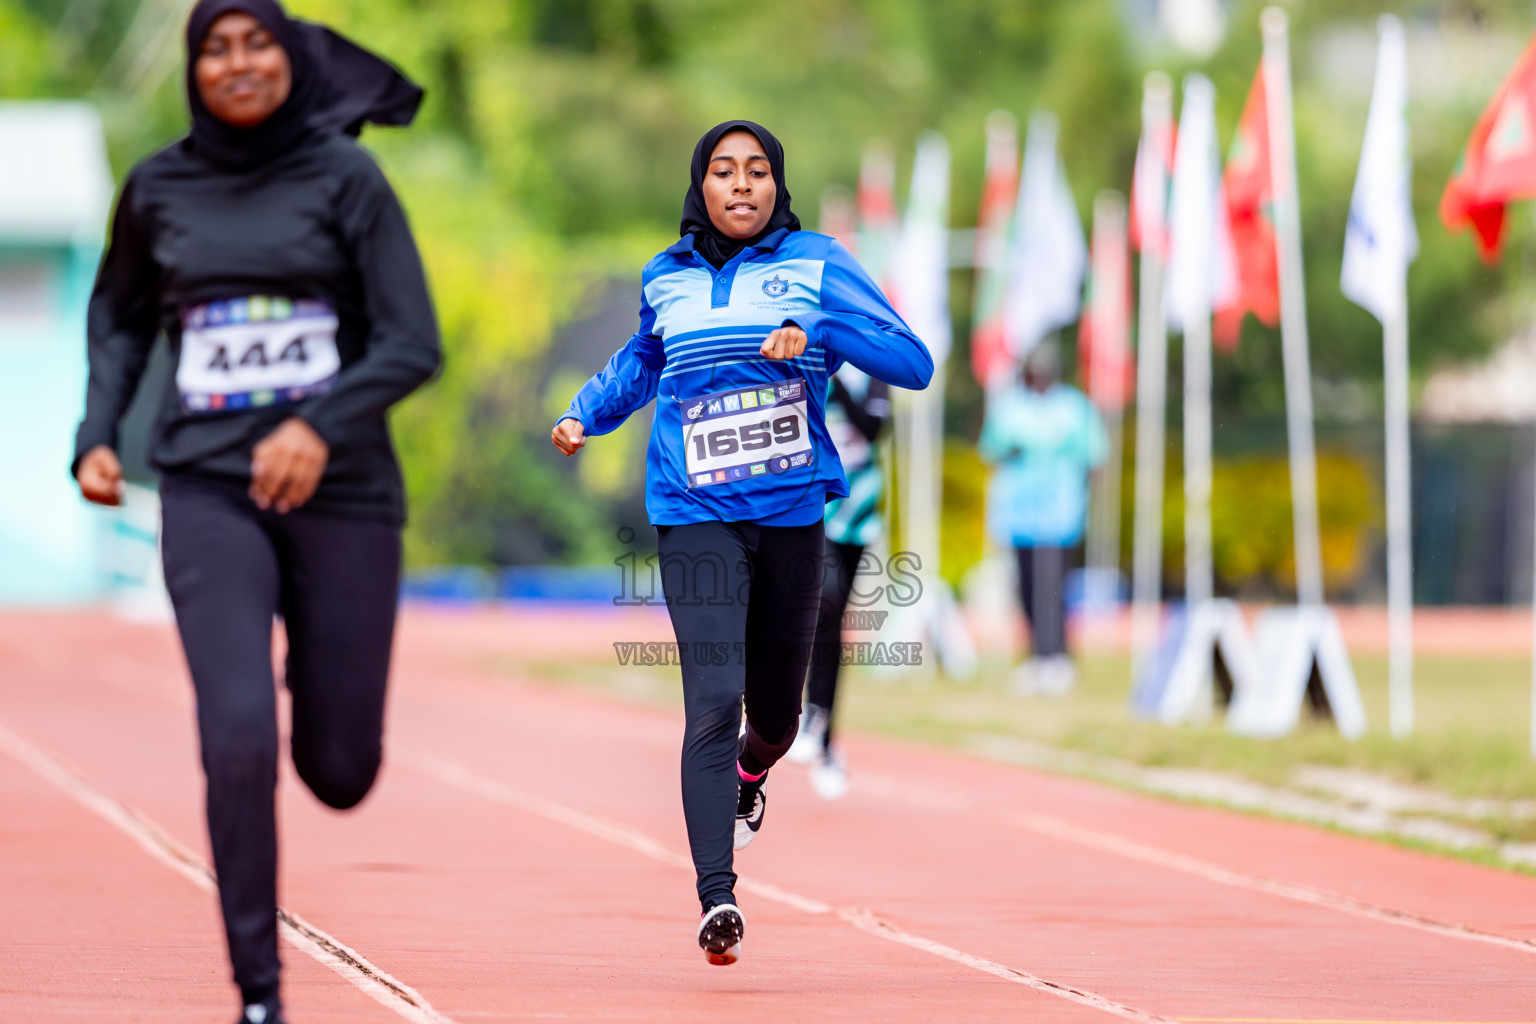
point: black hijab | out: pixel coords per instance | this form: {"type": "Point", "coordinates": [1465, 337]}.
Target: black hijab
{"type": "Point", "coordinates": [337, 86]}
{"type": "Point", "coordinates": [708, 240]}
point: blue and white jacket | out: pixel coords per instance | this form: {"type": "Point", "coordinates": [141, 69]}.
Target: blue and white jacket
{"type": "Point", "coordinates": [738, 437]}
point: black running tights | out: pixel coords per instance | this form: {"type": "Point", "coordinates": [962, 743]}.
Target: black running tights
{"type": "Point", "coordinates": [842, 566]}
{"type": "Point", "coordinates": [230, 568]}
{"type": "Point", "coordinates": [1042, 574]}
{"type": "Point", "coordinates": [743, 601]}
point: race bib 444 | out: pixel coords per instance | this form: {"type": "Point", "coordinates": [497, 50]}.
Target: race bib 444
{"type": "Point", "coordinates": [735, 435]}
{"type": "Point", "coordinates": [256, 351]}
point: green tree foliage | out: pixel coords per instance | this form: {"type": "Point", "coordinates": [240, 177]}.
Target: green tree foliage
{"type": "Point", "coordinates": [551, 157]}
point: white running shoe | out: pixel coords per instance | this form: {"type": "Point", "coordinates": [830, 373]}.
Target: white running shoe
{"type": "Point", "coordinates": [1056, 676]}
{"type": "Point", "coordinates": [750, 803]}
{"type": "Point", "coordinates": [812, 736]}
{"type": "Point", "coordinates": [829, 775]}
{"type": "Point", "coordinates": [720, 933]}
{"type": "Point", "coordinates": [1025, 678]}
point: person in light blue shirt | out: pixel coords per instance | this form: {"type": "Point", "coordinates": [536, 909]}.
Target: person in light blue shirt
{"type": "Point", "coordinates": [742, 322]}
{"type": "Point", "coordinates": [1044, 437]}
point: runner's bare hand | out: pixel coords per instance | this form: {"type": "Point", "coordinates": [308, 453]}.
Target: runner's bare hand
{"type": "Point", "coordinates": [569, 436]}
{"type": "Point", "coordinates": [286, 466]}
{"type": "Point", "coordinates": [101, 476]}
{"type": "Point", "coordinates": [784, 343]}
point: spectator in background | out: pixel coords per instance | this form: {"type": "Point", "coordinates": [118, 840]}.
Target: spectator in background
{"type": "Point", "coordinates": [1044, 437]}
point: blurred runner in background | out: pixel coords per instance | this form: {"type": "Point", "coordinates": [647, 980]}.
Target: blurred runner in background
{"type": "Point", "coordinates": [1044, 437]}
{"type": "Point", "coordinates": [858, 408]}
{"type": "Point", "coordinates": [272, 253]}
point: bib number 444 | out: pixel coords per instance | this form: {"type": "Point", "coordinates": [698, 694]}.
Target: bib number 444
{"type": "Point", "coordinates": [256, 355]}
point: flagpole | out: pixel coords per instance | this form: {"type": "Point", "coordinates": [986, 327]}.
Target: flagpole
{"type": "Point", "coordinates": [1109, 326]}
{"type": "Point", "coordinates": [1399, 530]}
{"type": "Point", "coordinates": [1193, 273]}
{"type": "Point", "coordinates": [922, 274]}
{"type": "Point", "coordinates": [1151, 395]}
{"type": "Point", "coordinates": [1199, 575]}
{"type": "Point", "coordinates": [1533, 658]}
{"type": "Point", "coordinates": [1293, 309]}
{"type": "Point", "coordinates": [1380, 241]}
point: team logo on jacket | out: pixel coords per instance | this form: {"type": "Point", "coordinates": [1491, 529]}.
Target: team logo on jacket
{"type": "Point", "coordinates": [775, 287]}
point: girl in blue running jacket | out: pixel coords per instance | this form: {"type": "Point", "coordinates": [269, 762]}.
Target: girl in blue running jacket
{"type": "Point", "coordinates": [742, 322]}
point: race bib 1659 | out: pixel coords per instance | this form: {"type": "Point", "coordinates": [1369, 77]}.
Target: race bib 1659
{"type": "Point", "coordinates": [735, 435]}
{"type": "Point", "coordinates": [258, 351]}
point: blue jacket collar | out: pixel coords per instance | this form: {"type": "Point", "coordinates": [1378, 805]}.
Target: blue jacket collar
{"type": "Point", "coordinates": [768, 243]}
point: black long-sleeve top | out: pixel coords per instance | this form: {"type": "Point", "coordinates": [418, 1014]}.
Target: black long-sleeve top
{"type": "Point", "coordinates": [318, 228]}
{"type": "Point", "coordinates": [867, 414]}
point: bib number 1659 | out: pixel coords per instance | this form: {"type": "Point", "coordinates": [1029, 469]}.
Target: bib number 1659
{"type": "Point", "coordinates": [748, 437]}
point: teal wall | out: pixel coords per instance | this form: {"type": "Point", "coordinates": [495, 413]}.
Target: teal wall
{"type": "Point", "coordinates": [48, 535]}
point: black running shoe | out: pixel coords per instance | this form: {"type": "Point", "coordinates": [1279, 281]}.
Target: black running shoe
{"type": "Point", "coordinates": [750, 802]}
{"type": "Point", "coordinates": [720, 933]}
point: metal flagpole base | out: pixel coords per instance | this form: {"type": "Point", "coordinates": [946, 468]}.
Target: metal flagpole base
{"type": "Point", "coordinates": [1205, 657]}
{"type": "Point", "coordinates": [1305, 661]}
{"type": "Point", "coordinates": [945, 643]}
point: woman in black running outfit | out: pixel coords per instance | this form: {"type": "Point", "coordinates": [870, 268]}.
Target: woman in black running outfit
{"type": "Point", "coordinates": [271, 252]}
{"type": "Point", "coordinates": [742, 321]}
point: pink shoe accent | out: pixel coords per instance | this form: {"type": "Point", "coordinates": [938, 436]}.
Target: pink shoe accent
{"type": "Point", "coordinates": [748, 778]}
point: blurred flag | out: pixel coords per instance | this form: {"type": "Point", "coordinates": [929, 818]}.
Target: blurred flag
{"type": "Point", "coordinates": [877, 224]}
{"type": "Point", "coordinates": [1103, 339]}
{"type": "Point", "coordinates": [989, 343]}
{"type": "Point", "coordinates": [1379, 243]}
{"type": "Point", "coordinates": [920, 271]}
{"type": "Point", "coordinates": [1250, 212]}
{"type": "Point", "coordinates": [1149, 187]}
{"type": "Point", "coordinates": [838, 218]}
{"type": "Point", "coordinates": [1048, 256]}
{"type": "Point", "coordinates": [1499, 164]}
{"type": "Point", "coordinates": [1381, 239]}
{"type": "Point", "coordinates": [1201, 276]}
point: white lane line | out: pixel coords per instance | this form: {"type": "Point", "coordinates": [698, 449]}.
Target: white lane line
{"type": "Point", "coordinates": [389, 991]}
{"type": "Point", "coordinates": [868, 922]}
{"type": "Point", "coordinates": [1121, 846]}
{"type": "Point", "coordinates": [1130, 849]}
{"type": "Point", "coordinates": [459, 775]}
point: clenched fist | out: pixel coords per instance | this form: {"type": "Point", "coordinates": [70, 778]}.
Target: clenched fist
{"type": "Point", "coordinates": [784, 343]}
{"type": "Point", "coordinates": [101, 476]}
{"type": "Point", "coordinates": [286, 466]}
{"type": "Point", "coordinates": [569, 436]}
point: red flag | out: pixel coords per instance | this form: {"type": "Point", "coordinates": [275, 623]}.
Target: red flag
{"type": "Point", "coordinates": [1107, 369]}
{"type": "Point", "coordinates": [1499, 164]}
{"type": "Point", "coordinates": [839, 217]}
{"type": "Point", "coordinates": [1250, 211]}
{"type": "Point", "coordinates": [1149, 191]}
{"type": "Point", "coordinates": [989, 342]}
{"type": "Point", "coordinates": [876, 208]}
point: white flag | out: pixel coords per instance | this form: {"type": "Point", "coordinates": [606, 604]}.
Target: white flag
{"type": "Point", "coordinates": [1381, 239]}
{"type": "Point", "coordinates": [1048, 255]}
{"type": "Point", "coordinates": [921, 271]}
{"type": "Point", "coordinates": [1202, 271]}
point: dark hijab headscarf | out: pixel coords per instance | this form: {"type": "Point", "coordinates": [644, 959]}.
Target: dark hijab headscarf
{"type": "Point", "coordinates": [708, 240]}
{"type": "Point", "coordinates": [337, 87]}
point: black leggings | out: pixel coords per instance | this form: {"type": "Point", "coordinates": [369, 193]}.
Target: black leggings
{"type": "Point", "coordinates": [1042, 574]}
{"type": "Point", "coordinates": [842, 566]}
{"type": "Point", "coordinates": [743, 603]}
{"type": "Point", "coordinates": [230, 568]}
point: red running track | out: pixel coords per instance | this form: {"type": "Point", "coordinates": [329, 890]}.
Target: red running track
{"type": "Point", "coordinates": [523, 858]}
